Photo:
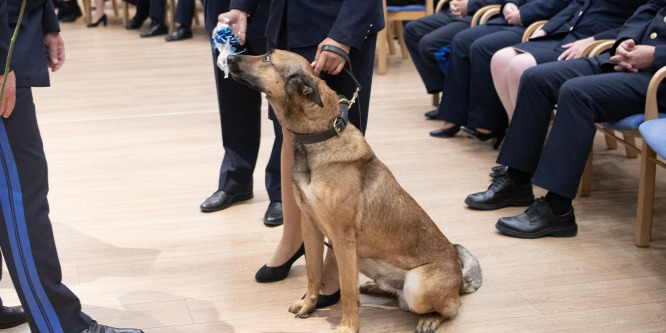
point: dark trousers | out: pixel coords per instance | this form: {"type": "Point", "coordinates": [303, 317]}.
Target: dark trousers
{"type": "Point", "coordinates": [157, 10]}
{"type": "Point", "coordinates": [469, 79]}
{"type": "Point", "coordinates": [362, 62]}
{"type": "Point", "coordinates": [426, 36]}
{"type": "Point", "coordinates": [26, 235]}
{"type": "Point", "coordinates": [185, 12]}
{"type": "Point", "coordinates": [584, 96]}
{"type": "Point", "coordinates": [240, 117]}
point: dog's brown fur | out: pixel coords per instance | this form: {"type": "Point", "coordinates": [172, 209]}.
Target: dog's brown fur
{"type": "Point", "coordinates": [346, 194]}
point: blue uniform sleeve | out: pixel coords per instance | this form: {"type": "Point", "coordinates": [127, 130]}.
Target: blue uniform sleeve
{"type": "Point", "coordinates": [248, 6]}
{"type": "Point", "coordinates": [533, 11]}
{"type": "Point", "coordinates": [563, 16]}
{"type": "Point", "coordinates": [635, 27]}
{"type": "Point", "coordinates": [659, 56]}
{"type": "Point", "coordinates": [50, 18]}
{"type": "Point", "coordinates": [5, 36]}
{"type": "Point", "coordinates": [355, 20]}
{"type": "Point", "coordinates": [474, 5]}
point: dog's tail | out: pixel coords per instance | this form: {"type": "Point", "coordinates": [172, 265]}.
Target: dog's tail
{"type": "Point", "coordinates": [471, 270]}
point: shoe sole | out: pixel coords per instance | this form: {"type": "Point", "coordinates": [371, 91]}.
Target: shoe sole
{"type": "Point", "coordinates": [508, 203]}
{"type": "Point", "coordinates": [14, 324]}
{"type": "Point", "coordinates": [273, 224]}
{"type": "Point", "coordinates": [218, 208]}
{"type": "Point", "coordinates": [554, 232]}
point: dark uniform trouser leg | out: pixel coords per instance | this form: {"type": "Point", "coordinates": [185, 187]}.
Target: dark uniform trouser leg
{"type": "Point", "coordinates": [184, 12]}
{"type": "Point", "coordinates": [158, 10]}
{"type": "Point", "coordinates": [26, 236]}
{"type": "Point", "coordinates": [426, 36]}
{"type": "Point", "coordinates": [240, 118]}
{"type": "Point", "coordinates": [485, 108]}
{"type": "Point", "coordinates": [454, 106]}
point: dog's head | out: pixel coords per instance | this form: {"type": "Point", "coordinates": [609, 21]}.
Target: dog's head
{"type": "Point", "coordinates": [302, 101]}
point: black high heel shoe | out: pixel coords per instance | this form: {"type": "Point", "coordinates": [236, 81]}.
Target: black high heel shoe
{"type": "Point", "coordinates": [499, 136]}
{"type": "Point", "coordinates": [101, 20]}
{"type": "Point", "coordinates": [446, 132]}
{"type": "Point", "coordinates": [326, 300]}
{"type": "Point", "coordinates": [273, 274]}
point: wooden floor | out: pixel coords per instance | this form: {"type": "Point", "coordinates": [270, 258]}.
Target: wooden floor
{"type": "Point", "coordinates": [132, 137]}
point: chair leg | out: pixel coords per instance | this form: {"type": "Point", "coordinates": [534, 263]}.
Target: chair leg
{"type": "Point", "coordinates": [586, 178]}
{"type": "Point", "coordinates": [610, 143]}
{"type": "Point", "coordinates": [116, 12]}
{"type": "Point", "coordinates": [643, 228]}
{"type": "Point", "coordinates": [381, 52]}
{"type": "Point", "coordinates": [401, 40]}
{"type": "Point", "coordinates": [390, 37]}
{"type": "Point", "coordinates": [435, 99]}
{"type": "Point", "coordinates": [125, 13]}
{"type": "Point", "coordinates": [630, 138]}
{"type": "Point", "coordinates": [172, 22]}
{"type": "Point", "coordinates": [87, 9]}
{"type": "Point", "coordinates": [197, 21]}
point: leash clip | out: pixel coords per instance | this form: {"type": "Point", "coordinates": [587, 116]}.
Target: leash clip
{"type": "Point", "coordinates": [338, 125]}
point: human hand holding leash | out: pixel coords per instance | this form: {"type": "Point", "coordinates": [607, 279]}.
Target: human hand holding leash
{"type": "Point", "coordinates": [329, 62]}
{"type": "Point", "coordinates": [237, 20]}
{"type": "Point", "coordinates": [9, 97]}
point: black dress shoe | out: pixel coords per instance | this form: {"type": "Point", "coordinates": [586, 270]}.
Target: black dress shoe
{"type": "Point", "coordinates": [182, 32]}
{"type": "Point", "coordinates": [273, 216]}
{"type": "Point", "coordinates": [539, 221]}
{"type": "Point", "coordinates": [273, 274]}
{"type": "Point", "coordinates": [221, 200]}
{"type": "Point", "coordinates": [502, 192]}
{"type": "Point", "coordinates": [11, 316]}
{"type": "Point", "coordinates": [498, 171]}
{"type": "Point", "coordinates": [69, 11]}
{"type": "Point", "coordinates": [157, 28]}
{"type": "Point", "coordinates": [135, 23]}
{"type": "Point", "coordinates": [97, 328]}
{"type": "Point", "coordinates": [498, 136]}
{"type": "Point", "coordinates": [446, 133]}
{"type": "Point", "coordinates": [326, 300]}
{"type": "Point", "coordinates": [431, 115]}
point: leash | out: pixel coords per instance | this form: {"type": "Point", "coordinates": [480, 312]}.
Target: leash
{"type": "Point", "coordinates": [340, 122]}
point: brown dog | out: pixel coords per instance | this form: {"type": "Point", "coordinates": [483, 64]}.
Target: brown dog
{"type": "Point", "coordinates": [346, 194]}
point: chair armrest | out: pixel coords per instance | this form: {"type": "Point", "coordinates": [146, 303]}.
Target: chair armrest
{"type": "Point", "coordinates": [440, 4]}
{"type": "Point", "coordinates": [484, 14]}
{"type": "Point", "coordinates": [651, 106]}
{"type": "Point", "coordinates": [597, 47]}
{"type": "Point", "coordinates": [532, 29]}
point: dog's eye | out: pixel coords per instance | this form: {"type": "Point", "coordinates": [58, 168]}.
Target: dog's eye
{"type": "Point", "coordinates": [266, 58]}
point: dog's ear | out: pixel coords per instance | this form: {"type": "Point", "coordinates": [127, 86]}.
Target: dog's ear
{"type": "Point", "coordinates": [304, 85]}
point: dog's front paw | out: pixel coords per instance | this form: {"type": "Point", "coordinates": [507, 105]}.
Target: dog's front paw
{"type": "Point", "coordinates": [303, 307]}
{"type": "Point", "coordinates": [346, 329]}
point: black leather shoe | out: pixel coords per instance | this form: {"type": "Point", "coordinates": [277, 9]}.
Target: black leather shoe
{"type": "Point", "coordinates": [11, 316]}
{"type": "Point", "coordinates": [502, 192]}
{"type": "Point", "coordinates": [446, 133]}
{"type": "Point", "coordinates": [273, 274]}
{"type": "Point", "coordinates": [326, 300]}
{"type": "Point", "coordinates": [69, 11]}
{"type": "Point", "coordinates": [498, 136]}
{"type": "Point", "coordinates": [221, 200]}
{"type": "Point", "coordinates": [539, 221]}
{"type": "Point", "coordinates": [498, 171]}
{"type": "Point", "coordinates": [97, 328]}
{"type": "Point", "coordinates": [157, 28]}
{"type": "Point", "coordinates": [135, 23]}
{"type": "Point", "coordinates": [431, 115]}
{"type": "Point", "coordinates": [181, 33]}
{"type": "Point", "coordinates": [273, 216]}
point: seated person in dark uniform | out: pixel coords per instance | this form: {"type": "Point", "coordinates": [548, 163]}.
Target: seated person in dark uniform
{"type": "Point", "coordinates": [184, 14]}
{"type": "Point", "coordinates": [428, 35]}
{"type": "Point", "coordinates": [156, 10]}
{"type": "Point", "coordinates": [471, 51]}
{"type": "Point", "coordinates": [26, 235]}
{"type": "Point", "coordinates": [564, 37]}
{"type": "Point", "coordinates": [604, 88]}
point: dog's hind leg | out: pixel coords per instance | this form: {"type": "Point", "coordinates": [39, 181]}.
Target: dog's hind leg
{"type": "Point", "coordinates": [314, 264]}
{"type": "Point", "coordinates": [372, 288]}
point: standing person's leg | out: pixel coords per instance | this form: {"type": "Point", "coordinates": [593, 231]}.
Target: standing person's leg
{"type": "Point", "coordinates": [11, 316]}
{"type": "Point", "coordinates": [183, 16]}
{"type": "Point", "coordinates": [273, 216]}
{"type": "Point", "coordinates": [26, 236]}
{"type": "Point", "coordinates": [240, 120]}
{"type": "Point", "coordinates": [157, 19]}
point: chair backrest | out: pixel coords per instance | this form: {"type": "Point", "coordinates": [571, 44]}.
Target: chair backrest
{"type": "Point", "coordinates": [532, 29]}
{"type": "Point", "coordinates": [484, 14]}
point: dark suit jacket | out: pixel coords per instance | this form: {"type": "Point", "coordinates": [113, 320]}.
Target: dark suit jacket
{"type": "Point", "coordinates": [473, 6]}
{"type": "Point", "coordinates": [309, 22]}
{"type": "Point", "coordinates": [648, 27]}
{"type": "Point", "coordinates": [256, 22]}
{"type": "Point", "coordinates": [599, 18]}
{"type": "Point", "coordinates": [29, 57]}
{"type": "Point", "coordinates": [532, 10]}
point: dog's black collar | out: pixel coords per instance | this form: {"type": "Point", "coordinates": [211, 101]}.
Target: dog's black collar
{"type": "Point", "coordinates": [339, 125]}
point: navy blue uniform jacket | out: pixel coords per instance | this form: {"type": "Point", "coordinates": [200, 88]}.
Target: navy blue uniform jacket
{"type": "Point", "coordinates": [532, 10]}
{"type": "Point", "coordinates": [309, 22]}
{"type": "Point", "coordinates": [256, 22]}
{"type": "Point", "coordinates": [29, 58]}
{"type": "Point", "coordinates": [647, 27]}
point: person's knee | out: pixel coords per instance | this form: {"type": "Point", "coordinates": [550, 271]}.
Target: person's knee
{"type": "Point", "coordinates": [411, 30]}
{"type": "Point", "coordinates": [501, 59]}
{"type": "Point", "coordinates": [533, 77]}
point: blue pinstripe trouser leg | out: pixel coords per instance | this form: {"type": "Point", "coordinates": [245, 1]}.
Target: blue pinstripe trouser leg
{"type": "Point", "coordinates": [26, 236]}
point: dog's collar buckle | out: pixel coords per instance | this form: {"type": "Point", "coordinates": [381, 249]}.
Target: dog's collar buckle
{"type": "Point", "coordinates": [338, 126]}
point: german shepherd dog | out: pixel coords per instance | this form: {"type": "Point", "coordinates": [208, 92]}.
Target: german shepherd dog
{"type": "Point", "coordinates": [347, 195]}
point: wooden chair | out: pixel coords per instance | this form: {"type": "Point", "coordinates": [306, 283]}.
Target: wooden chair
{"type": "Point", "coordinates": [654, 143]}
